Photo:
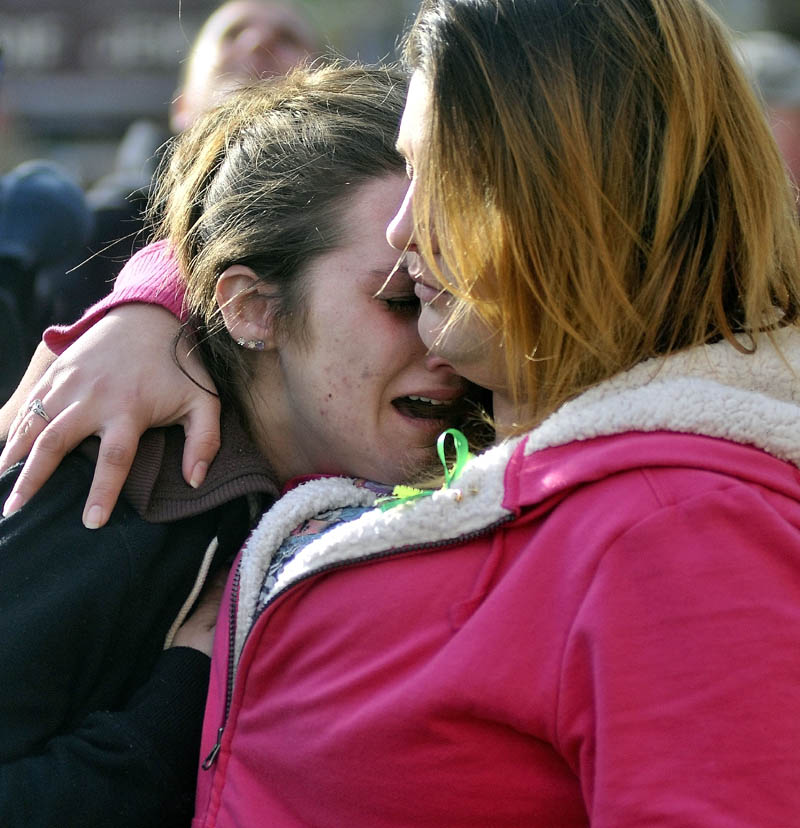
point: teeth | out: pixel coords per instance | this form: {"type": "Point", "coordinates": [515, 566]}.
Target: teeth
{"type": "Point", "coordinates": [427, 400]}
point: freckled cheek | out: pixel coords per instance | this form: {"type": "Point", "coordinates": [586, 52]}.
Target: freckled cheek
{"type": "Point", "coordinates": [354, 368]}
{"type": "Point", "coordinates": [337, 390]}
{"type": "Point", "coordinates": [368, 374]}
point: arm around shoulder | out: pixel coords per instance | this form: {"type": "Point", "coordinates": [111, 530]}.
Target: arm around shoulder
{"type": "Point", "coordinates": [151, 276]}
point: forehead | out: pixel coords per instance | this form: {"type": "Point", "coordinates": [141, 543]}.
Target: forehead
{"type": "Point", "coordinates": [362, 246]}
{"type": "Point", "coordinates": [415, 114]}
{"type": "Point", "coordinates": [233, 17]}
{"type": "Point", "coordinates": [369, 210]}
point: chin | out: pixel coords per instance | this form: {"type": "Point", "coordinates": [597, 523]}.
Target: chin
{"type": "Point", "coordinates": [415, 464]}
{"type": "Point", "coordinates": [429, 326]}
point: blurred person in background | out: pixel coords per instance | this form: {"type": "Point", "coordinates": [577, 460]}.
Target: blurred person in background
{"type": "Point", "coordinates": [772, 60]}
{"type": "Point", "coordinates": [243, 40]}
{"type": "Point", "coordinates": [44, 223]}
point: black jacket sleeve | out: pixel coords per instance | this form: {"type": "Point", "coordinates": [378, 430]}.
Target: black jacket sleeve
{"type": "Point", "coordinates": [134, 767]}
{"type": "Point", "coordinates": [98, 725]}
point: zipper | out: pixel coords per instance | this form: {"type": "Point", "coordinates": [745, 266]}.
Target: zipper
{"type": "Point", "coordinates": [212, 757]}
{"type": "Point", "coordinates": [210, 760]}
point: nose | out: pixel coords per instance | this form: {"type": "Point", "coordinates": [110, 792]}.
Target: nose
{"type": "Point", "coordinates": [400, 231]}
{"type": "Point", "coordinates": [436, 363]}
{"type": "Point", "coordinates": [418, 353]}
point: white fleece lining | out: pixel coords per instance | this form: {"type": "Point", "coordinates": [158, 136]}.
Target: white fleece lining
{"type": "Point", "coordinates": [477, 499]}
{"type": "Point", "coordinates": [290, 511]}
{"type": "Point", "coordinates": [713, 390]}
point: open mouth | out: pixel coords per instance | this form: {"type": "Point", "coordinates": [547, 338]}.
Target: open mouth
{"type": "Point", "coordinates": [470, 412]}
{"type": "Point", "coordinates": [426, 408]}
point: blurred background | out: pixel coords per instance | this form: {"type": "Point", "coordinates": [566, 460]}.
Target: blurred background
{"type": "Point", "coordinates": [76, 73]}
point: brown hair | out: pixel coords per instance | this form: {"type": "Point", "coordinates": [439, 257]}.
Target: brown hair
{"type": "Point", "coordinates": [604, 184]}
{"type": "Point", "coordinates": [260, 181]}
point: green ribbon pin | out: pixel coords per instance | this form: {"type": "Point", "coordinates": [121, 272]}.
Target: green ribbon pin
{"type": "Point", "coordinates": [407, 494]}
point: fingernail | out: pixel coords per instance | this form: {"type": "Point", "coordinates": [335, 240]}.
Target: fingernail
{"type": "Point", "coordinates": [198, 474]}
{"type": "Point", "coordinates": [15, 501]}
{"type": "Point", "coordinates": [93, 517]}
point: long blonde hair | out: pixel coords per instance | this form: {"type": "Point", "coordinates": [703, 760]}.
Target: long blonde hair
{"type": "Point", "coordinates": [604, 182]}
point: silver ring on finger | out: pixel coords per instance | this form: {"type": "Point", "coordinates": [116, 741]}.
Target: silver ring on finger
{"type": "Point", "coordinates": [38, 409]}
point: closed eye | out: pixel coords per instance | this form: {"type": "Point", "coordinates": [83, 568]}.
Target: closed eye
{"type": "Point", "coordinates": [397, 290]}
{"type": "Point", "coordinates": [402, 304]}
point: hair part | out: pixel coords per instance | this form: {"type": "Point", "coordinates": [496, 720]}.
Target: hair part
{"type": "Point", "coordinates": [620, 175]}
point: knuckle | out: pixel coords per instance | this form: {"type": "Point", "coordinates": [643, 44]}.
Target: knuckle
{"type": "Point", "coordinates": [118, 455]}
{"type": "Point", "coordinates": [51, 441]}
{"type": "Point", "coordinates": [209, 441]}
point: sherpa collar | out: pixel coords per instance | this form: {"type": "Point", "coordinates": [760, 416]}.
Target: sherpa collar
{"type": "Point", "coordinates": [713, 390]}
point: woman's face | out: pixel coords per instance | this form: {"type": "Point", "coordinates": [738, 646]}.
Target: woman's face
{"type": "Point", "coordinates": [469, 346]}
{"type": "Point", "coordinates": [356, 392]}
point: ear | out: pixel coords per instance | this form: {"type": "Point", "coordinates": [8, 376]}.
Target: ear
{"type": "Point", "coordinates": [246, 309]}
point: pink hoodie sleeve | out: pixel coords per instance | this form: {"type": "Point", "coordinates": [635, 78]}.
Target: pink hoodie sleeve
{"type": "Point", "coordinates": [151, 276]}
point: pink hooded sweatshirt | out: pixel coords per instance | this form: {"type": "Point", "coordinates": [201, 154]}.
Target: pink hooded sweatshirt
{"type": "Point", "coordinates": [597, 624]}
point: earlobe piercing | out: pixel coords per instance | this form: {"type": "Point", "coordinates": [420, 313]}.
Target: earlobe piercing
{"type": "Point", "coordinates": [251, 344]}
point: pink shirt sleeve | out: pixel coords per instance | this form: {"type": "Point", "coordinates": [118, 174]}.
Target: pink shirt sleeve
{"type": "Point", "coordinates": [151, 276]}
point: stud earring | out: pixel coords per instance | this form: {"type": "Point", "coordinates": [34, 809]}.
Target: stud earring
{"type": "Point", "coordinates": [251, 344]}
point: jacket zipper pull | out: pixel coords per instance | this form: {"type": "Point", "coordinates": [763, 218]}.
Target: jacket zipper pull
{"type": "Point", "coordinates": [212, 757]}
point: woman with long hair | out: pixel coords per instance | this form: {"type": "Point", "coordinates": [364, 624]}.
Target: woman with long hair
{"type": "Point", "coordinates": [596, 620]}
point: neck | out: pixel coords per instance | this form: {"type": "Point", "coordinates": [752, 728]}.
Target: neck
{"type": "Point", "coordinates": [269, 422]}
{"type": "Point", "coordinates": [505, 414]}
